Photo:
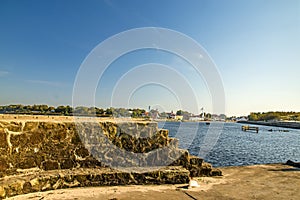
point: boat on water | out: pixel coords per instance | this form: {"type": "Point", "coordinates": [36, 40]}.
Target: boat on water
{"type": "Point", "coordinates": [207, 123]}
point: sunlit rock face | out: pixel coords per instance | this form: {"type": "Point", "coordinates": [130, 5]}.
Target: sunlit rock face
{"type": "Point", "coordinates": [129, 152]}
{"type": "Point", "coordinates": [64, 145]}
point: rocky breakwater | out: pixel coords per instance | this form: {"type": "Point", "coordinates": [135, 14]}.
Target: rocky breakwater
{"type": "Point", "coordinates": [40, 154]}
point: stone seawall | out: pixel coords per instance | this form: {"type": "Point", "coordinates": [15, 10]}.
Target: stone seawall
{"type": "Point", "coordinates": [29, 149]}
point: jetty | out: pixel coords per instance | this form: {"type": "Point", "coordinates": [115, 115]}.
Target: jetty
{"type": "Point", "coordinates": [282, 124]}
{"type": "Point", "coordinates": [250, 128]}
{"type": "Point", "coordinates": [278, 130]}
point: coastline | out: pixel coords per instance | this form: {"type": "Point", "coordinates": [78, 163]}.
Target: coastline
{"type": "Point", "coordinates": [265, 181]}
{"type": "Point", "coordinates": [40, 153]}
{"type": "Point", "coordinates": [270, 181]}
{"type": "Point", "coordinates": [294, 125]}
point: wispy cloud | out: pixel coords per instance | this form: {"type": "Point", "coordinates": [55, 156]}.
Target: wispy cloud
{"type": "Point", "coordinates": [3, 73]}
{"type": "Point", "coordinates": [49, 83]}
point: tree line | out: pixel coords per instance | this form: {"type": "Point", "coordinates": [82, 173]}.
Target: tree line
{"type": "Point", "coordinates": [269, 116]}
{"type": "Point", "coordinates": [66, 110]}
{"type": "Point", "coordinates": [69, 111]}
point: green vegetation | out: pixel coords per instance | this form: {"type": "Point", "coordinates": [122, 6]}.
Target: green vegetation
{"type": "Point", "coordinates": [100, 112]}
{"type": "Point", "coordinates": [270, 116]}
{"type": "Point", "coordinates": [186, 115]}
{"type": "Point", "coordinates": [68, 111]}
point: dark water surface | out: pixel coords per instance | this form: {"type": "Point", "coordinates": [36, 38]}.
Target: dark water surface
{"type": "Point", "coordinates": [235, 147]}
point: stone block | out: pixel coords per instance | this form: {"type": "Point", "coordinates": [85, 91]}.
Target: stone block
{"type": "Point", "coordinates": [27, 188]}
{"type": "Point", "coordinates": [206, 169]}
{"type": "Point", "coordinates": [3, 164]}
{"type": "Point", "coordinates": [3, 141]}
{"type": "Point", "coordinates": [2, 192]}
{"type": "Point", "coordinates": [25, 162]}
{"type": "Point", "coordinates": [35, 184]}
{"type": "Point", "coordinates": [50, 165]}
{"type": "Point", "coordinates": [164, 133]}
{"type": "Point", "coordinates": [67, 163]}
{"type": "Point", "coordinates": [194, 160]}
{"type": "Point", "coordinates": [31, 126]}
{"type": "Point", "coordinates": [216, 172]}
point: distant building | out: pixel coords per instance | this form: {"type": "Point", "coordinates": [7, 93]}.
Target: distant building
{"type": "Point", "coordinates": [196, 118]}
{"type": "Point", "coordinates": [178, 117]}
{"type": "Point", "coordinates": [171, 115]}
{"type": "Point", "coordinates": [241, 119]}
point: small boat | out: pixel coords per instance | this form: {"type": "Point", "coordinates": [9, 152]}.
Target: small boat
{"type": "Point", "coordinates": [207, 123]}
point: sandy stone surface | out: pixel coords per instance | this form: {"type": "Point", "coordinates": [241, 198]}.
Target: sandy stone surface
{"type": "Point", "coordinates": [275, 181]}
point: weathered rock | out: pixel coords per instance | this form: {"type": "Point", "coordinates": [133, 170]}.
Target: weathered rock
{"type": "Point", "coordinates": [59, 146]}
{"type": "Point", "coordinates": [57, 179]}
{"type": "Point", "coordinates": [294, 164]}
{"type": "Point", "coordinates": [50, 165]}
{"type": "Point", "coordinates": [35, 185]}
{"type": "Point", "coordinates": [216, 172]}
{"type": "Point", "coordinates": [2, 192]}
{"type": "Point", "coordinates": [3, 164]}
{"type": "Point", "coordinates": [206, 169]}
{"type": "Point", "coordinates": [194, 160]}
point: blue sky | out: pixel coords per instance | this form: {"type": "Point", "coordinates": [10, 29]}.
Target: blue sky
{"type": "Point", "coordinates": [254, 44]}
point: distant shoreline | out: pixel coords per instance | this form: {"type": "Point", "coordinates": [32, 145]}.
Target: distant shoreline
{"type": "Point", "coordinates": [294, 125]}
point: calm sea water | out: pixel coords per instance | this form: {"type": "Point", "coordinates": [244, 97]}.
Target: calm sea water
{"type": "Point", "coordinates": [235, 147]}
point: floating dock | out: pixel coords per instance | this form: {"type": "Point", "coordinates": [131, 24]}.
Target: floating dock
{"type": "Point", "coordinates": [250, 128]}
